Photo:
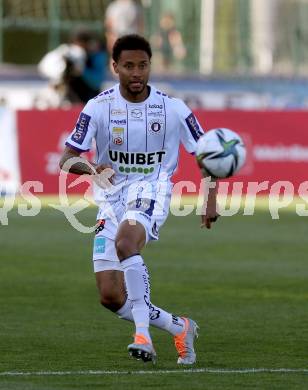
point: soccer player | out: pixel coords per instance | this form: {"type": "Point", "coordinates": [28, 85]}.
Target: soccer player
{"type": "Point", "coordinates": [137, 130]}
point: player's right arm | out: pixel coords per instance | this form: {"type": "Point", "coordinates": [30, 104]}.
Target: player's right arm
{"type": "Point", "coordinates": [78, 164]}
{"type": "Point", "coordinates": [80, 141]}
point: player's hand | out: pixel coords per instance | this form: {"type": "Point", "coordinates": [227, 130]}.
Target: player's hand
{"type": "Point", "coordinates": [100, 168]}
{"type": "Point", "coordinates": [209, 214]}
{"type": "Point", "coordinates": [103, 176]}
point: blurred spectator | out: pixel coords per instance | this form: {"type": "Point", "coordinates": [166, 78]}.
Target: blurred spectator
{"type": "Point", "coordinates": [3, 101]}
{"type": "Point", "coordinates": [169, 42]}
{"type": "Point", "coordinates": [76, 70]}
{"type": "Point", "coordinates": [122, 17]}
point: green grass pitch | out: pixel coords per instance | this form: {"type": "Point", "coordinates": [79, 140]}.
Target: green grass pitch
{"type": "Point", "coordinates": [245, 282]}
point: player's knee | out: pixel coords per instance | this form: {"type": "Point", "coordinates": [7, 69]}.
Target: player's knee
{"type": "Point", "coordinates": [125, 248]}
{"type": "Point", "coordinates": [111, 301]}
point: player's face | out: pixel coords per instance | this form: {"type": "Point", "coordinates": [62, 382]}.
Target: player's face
{"type": "Point", "coordinates": [133, 68]}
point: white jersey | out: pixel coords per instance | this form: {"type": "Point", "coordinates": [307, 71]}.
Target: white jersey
{"type": "Point", "coordinates": [139, 140]}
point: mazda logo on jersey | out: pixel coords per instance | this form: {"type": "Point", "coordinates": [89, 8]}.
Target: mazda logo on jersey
{"type": "Point", "coordinates": [136, 113]}
{"type": "Point", "coordinates": [156, 125]}
{"type": "Point", "coordinates": [131, 158]}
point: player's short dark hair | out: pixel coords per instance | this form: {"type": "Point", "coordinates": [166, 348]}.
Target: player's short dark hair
{"type": "Point", "coordinates": [130, 42]}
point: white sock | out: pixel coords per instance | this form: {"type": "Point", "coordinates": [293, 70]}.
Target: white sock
{"type": "Point", "coordinates": [138, 292]}
{"type": "Point", "coordinates": [158, 318]}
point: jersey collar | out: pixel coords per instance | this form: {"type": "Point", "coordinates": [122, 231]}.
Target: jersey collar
{"type": "Point", "coordinates": [135, 104]}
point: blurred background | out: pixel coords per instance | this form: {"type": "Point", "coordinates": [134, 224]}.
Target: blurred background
{"type": "Point", "coordinates": [239, 64]}
{"type": "Point", "coordinates": [257, 47]}
{"type": "Point", "coordinates": [221, 55]}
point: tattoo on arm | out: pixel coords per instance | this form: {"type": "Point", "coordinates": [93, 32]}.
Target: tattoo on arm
{"type": "Point", "coordinates": [81, 168]}
{"type": "Point", "coordinates": [77, 165]}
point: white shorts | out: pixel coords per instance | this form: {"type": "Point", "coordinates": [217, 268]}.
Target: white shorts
{"type": "Point", "coordinates": [135, 206]}
{"type": "Point", "coordinates": [106, 265]}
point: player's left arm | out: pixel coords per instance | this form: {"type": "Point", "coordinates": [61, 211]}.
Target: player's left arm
{"type": "Point", "coordinates": [190, 132]}
{"type": "Point", "coordinates": [209, 208]}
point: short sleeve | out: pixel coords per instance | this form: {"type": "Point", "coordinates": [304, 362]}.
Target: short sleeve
{"type": "Point", "coordinates": [85, 129]}
{"type": "Point", "coordinates": [190, 129]}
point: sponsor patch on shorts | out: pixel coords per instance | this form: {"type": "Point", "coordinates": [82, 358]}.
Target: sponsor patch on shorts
{"type": "Point", "coordinates": [99, 245]}
{"type": "Point", "coordinates": [139, 204]}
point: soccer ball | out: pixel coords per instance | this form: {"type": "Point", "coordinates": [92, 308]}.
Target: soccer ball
{"type": "Point", "coordinates": [220, 153]}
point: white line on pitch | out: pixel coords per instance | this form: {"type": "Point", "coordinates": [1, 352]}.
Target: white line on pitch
{"type": "Point", "coordinates": [151, 372]}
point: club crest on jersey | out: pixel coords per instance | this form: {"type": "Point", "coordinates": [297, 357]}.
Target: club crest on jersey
{"type": "Point", "coordinates": [118, 135]}
{"type": "Point", "coordinates": [155, 126]}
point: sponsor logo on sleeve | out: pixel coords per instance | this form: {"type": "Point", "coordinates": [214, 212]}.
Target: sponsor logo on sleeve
{"type": "Point", "coordinates": [118, 135]}
{"type": "Point", "coordinates": [81, 129]}
{"type": "Point", "coordinates": [193, 126]}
